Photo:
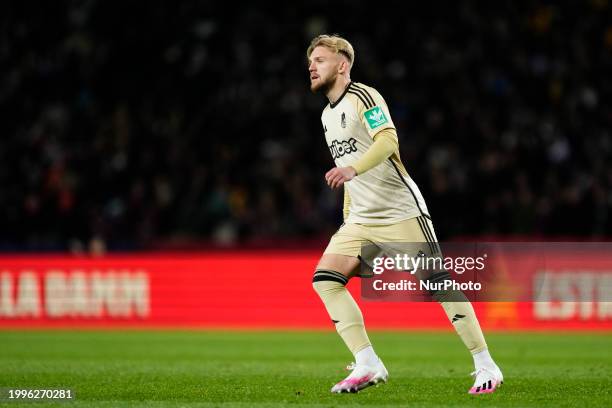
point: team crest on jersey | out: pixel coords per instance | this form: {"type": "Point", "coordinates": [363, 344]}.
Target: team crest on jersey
{"type": "Point", "coordinates": [375, 117]}
{"type": "Point", "coordinates": [343, 120]}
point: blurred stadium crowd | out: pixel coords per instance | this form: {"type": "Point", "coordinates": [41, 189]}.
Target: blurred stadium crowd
{"type": "Point", "coordinates": [139, 124]}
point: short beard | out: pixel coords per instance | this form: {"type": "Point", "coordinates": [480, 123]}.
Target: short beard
{"type": "Point", "coordinates": [325, 86]}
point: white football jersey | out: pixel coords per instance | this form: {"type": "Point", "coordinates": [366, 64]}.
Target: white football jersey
{"type": "Point", "coordinates": [384, 194]}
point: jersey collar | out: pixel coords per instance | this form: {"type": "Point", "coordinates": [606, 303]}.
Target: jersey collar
{"type": "Point", "coordinates": [333, 105]}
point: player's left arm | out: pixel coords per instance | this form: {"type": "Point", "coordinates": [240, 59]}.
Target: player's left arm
{"type": "Point", "coordinates": [379, 125]}
{"type": "Point", "coordinates": [385, 144]}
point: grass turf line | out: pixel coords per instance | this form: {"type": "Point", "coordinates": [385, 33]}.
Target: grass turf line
{"type": "Point", "coordinates": [275, 369]}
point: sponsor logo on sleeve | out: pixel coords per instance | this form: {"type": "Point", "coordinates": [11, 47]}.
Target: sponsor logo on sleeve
{"type": "Point", "coordinates": [375, 117]}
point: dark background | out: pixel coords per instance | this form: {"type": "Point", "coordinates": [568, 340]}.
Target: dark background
{"type": "Point", "coordinates": [135, 125]}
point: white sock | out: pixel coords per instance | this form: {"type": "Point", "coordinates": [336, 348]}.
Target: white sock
{"type": "Point", "coordinates": [366, 356]}
{"type": "Point", "coordinates": [483, 359]}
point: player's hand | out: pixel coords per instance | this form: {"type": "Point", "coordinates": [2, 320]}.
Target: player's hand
{"type": "Point", "coordinates": [337, 176]}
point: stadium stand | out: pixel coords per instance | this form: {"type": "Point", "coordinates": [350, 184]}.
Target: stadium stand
{"type": "Point", "coordinates": [131, 125]}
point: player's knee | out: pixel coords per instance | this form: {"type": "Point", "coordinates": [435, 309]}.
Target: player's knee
{"type": "Point", "coordinates": [435, 282]}
{"type": "Point", "coordinates": [444, 295]}
{"type": "Point", "coordinates": [325, 280]}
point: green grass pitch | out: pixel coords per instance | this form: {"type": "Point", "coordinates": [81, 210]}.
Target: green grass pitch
{"type": "Point", "coordinates": [275, 369]}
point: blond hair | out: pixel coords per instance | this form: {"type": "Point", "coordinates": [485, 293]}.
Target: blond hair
{"type": "Point", "coordinates": [335, 43]}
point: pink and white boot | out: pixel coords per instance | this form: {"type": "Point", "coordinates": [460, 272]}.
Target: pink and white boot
{"type": "Point", "coordinates": [487, 380]}
{"type": "Point", "coordinates": [362, 376]}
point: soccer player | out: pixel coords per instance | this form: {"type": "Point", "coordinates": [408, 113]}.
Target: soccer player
{"type": "Point", "coordinates": [381, 204]}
